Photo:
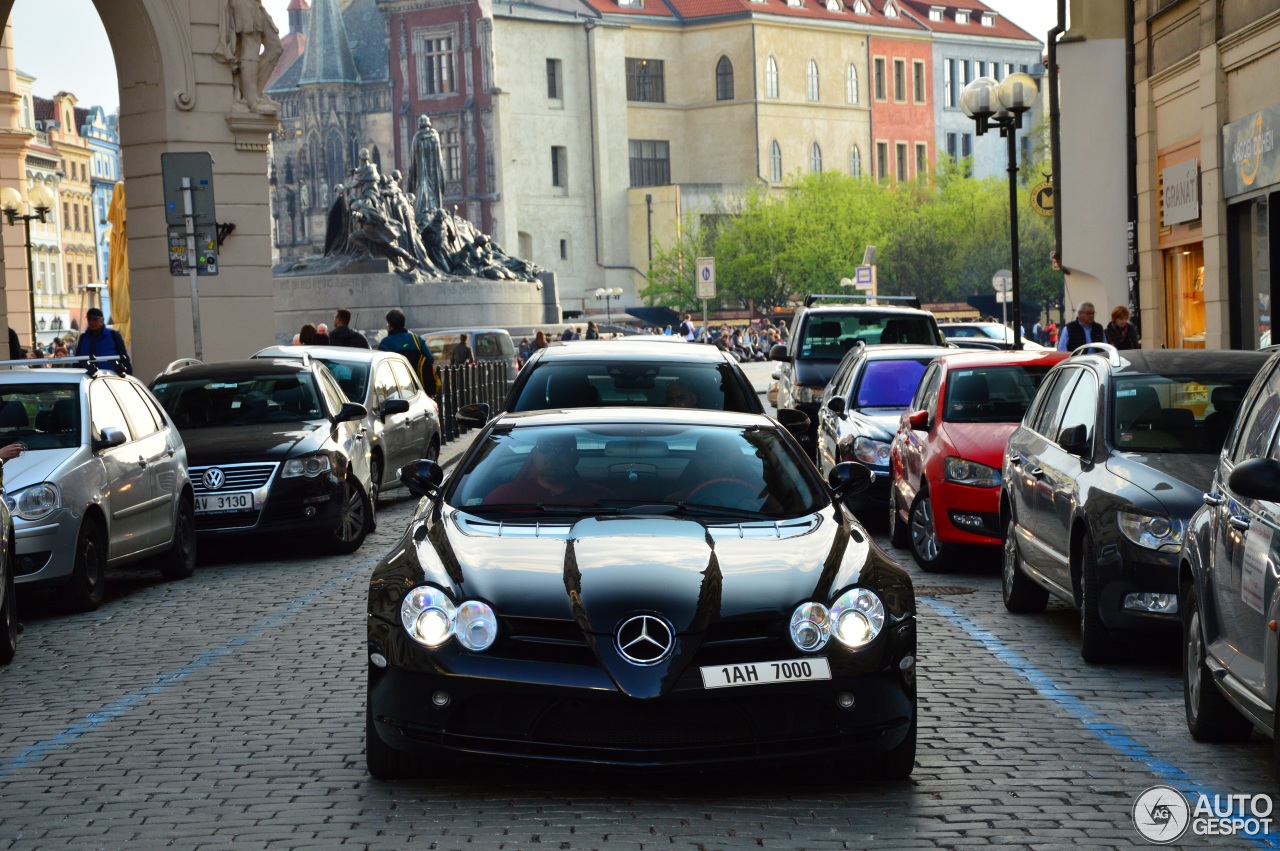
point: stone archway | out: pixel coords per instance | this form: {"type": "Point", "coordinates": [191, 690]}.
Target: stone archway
{"type": "Point", "coordinates": [174, 96]}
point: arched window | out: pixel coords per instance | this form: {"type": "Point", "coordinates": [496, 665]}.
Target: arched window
{"type": "Point", "coordinates": [813, 80]}
{"type": "Point", "coordinates": [815, 158]}
{"type": "Point", "coordinates": [771, 78]}
{"type": "Point", "coordinates": [724, 79]}
{"type": "Point", "coordinates": [775, 162]}
{"type": "Point", "coordinates": [855, 162]}
{"type": "Point", "coordinates": [851, 84]}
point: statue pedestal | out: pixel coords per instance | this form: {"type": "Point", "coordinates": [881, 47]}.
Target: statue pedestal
{"type": "Point", "coordinates": [452, 303]}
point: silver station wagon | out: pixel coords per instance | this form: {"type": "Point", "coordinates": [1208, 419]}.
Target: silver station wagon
{"type": "Point", "coordinates": [102, 480]}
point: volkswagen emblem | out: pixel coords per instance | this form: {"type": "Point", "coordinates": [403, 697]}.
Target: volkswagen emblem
{"type": "Point", "coordinates": [645, 639]}
{"type": "Point", "coordinates": [214, 478]}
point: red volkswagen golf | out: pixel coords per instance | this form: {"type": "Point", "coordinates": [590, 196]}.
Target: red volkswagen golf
{"type": "Point", "coordinates": [947, 454]}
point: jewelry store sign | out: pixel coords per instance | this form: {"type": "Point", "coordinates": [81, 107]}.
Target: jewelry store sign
{"type": "Point", "coordinates": [1249, 151]}
{"type": "Point", "coordinates": [1181, 192]}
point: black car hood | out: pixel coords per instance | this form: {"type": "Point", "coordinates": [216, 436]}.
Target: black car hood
{"type": "Point", "coordinates": [258, 442]}
{"type": "Point", "coordinates": [879, 423]}
{"type": "Point", "coordinates": [1177, 480]}
{"type": "Point", "coordinates": [601, 571]}
{"type": "Point", "coordinates": [814, 373]}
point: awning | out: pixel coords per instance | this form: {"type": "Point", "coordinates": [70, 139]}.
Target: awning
{"type": "Point", "coordinates": [659, 317]}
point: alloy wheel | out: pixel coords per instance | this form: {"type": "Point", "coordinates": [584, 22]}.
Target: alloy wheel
{"type": "Point", "coordinates": [924, 535]}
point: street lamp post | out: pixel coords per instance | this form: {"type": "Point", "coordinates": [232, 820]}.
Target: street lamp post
{"type": "Point", "coordinates": [39, 199]}
{"type": "Point", "coordinates": [992, 104]}
{"type": "Point", "coordinates": [608, 294]}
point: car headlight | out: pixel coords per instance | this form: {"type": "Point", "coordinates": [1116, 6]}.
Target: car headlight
{"type": "Point", "coordinates": [1153, 532]}
{"type": "Point", "coordinates": [34, 502]}
{"type": "Point", "coordinates": [810, 626]}
{"type": "Point", "coordinates": [309, 466]}
{"type": "Point", "coordinates": [964, 472]}
{"type": "Point", "coordinates": [857, 617]}
{"type": "Point", "coordinates": [809, 395]}
{"type": "Point", "coordinates": [870, 451]}
{"type": "Point", "coordinates": [431, 619]}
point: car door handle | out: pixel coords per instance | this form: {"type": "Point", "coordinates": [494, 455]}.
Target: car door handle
{"type": "Point", "coordinates": [1033, 470]}
{"type": "Point", "coordinates": [1237, 522]}
{"type": "Point", "coordinates": [171, 452]}
{"type": "Point", "coordinates": [142, 462]}
{"type": "Point", "coordinates": [1015, 461]}
{"type": "Point", "coordinates": [1214, 499]}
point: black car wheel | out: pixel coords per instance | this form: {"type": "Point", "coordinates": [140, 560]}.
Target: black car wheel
{"type": "Point", "coordinates": [383, 761]}
{"type": "Point", "coordinates": [1020, 593]}
{"type": "Point", "coordinates": [180, 561]}
{"type": "Point", "coordinates": [898, 763]}
{"type": "Point", "coordinates": [1210, 717]}
{"type": "Point", "coordinates": [433, 449]}
{"type": "Point", "coordinates": [926, 549]}
{"type": "Point", "coordinates": [354, 520]}
{"type": "Point", "coordinates": [1096, 643]}
{"type": "Point", "coordinates": [88, 582]}
{"type": "Point", "coordinates": [375, 479]}
{"type": "Point", "coordinates": [899, 532]}
{"type": "Point", "coordinates": [9, 615]}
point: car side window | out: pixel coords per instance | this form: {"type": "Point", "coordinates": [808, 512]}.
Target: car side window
{"type": "Point", "coordinates": [1082, 409]}
{"type": "Point", "coordinates": [1254, 429]}
{"type": "Point", "coordinates": [408, 384]}
{"type": "Point", "coordinates": [850, 375]}
{"type": "Point", "coordinates": [332, 391]}
{"type": "Point", "coordinates": [135, 408]}
{"type": "Point", "coordinates": [104, 410]}
{"type": "Point", "coordinates": [384, 384]}
{"type": "Point", "coordinates": [927, 393]}
{"type": "Point", "coordinates": [1050, 410]}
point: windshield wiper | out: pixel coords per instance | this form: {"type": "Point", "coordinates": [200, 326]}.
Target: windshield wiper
{"type": "Point", "coordinates": [702, 509]}
{"type": "Point", "coordinates": [539, 508]}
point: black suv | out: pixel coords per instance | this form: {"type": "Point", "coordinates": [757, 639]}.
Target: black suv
{"type": "Point", "coordinates": [1101, 478]}
{"type": "Point", "coordinates": [823, 334]}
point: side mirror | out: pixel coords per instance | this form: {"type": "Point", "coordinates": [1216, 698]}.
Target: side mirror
{"type": "Point", "coordinates": [776, 375]}
{"type": "Point", "coordinates": [794, 420]}
{"type": "Point", "coordinates": [1257, 478]}
{"type": "Point", "coordinates": [422, 478]}
{"type": "Point", "coordinates": [1074, 440]}
{"type": "Point", "coordinates": [836, 405]}
{"type": "Point", "coordinates": [779, 353]}
{"type": "Point", "coordinates": [473, 415]}
{"type": "Point", "coordinates": [849, 477]}
{"type": "Point", "coordinates": [919, 421]}
{"type": "Point", "coordinates": [351, 411]}
{"type": "Point", "coordinates": [110, 437]}
{"type": "Point", "coordinates": [394, 406]}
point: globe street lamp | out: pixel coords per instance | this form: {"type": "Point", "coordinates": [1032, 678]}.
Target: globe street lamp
{"type": "Point", "coordinates": [992, 104]}
{"type": "Point", "coordinates": [40, 200]}
{"type": "Point", "coordinates": [608, 294]}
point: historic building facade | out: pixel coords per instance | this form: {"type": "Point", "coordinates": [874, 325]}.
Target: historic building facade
{"type": "Point", "coordinates": [102, 133]}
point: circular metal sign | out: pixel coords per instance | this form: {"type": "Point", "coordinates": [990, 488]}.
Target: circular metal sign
{"type": "Point", "coordinates": [1042, 198]}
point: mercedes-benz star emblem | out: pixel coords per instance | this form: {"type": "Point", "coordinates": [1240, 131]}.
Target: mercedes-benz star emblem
{"type": "Point", "coordinates": [645, 639]}
{"type": "Point", "coordinates": [214, 478]}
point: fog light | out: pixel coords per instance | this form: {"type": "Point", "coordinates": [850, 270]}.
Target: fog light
{"type": "Point", "coordinates": [378, 660]}
{"type": "Point", "coordinates": [309, 511]}
{"type": "Point", "coordinates": [971, 521]}
{"type": "Point", "coordinates": [440, 698]}
{"type": "Point", "coordinates": [844, 700]}
{"type": "Point", "coordinates": [908, 668]}
{"type": "Point", "coordinates": [1165, 604]}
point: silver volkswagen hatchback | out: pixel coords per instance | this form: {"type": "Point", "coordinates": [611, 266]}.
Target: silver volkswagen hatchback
{"type": "Point", "coordinates": [102, 480]}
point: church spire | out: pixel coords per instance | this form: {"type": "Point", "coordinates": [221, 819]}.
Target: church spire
{"type": "Point", "coordinates": [328, 55]}
{"type": "Point", "coordinates": [299, 14]}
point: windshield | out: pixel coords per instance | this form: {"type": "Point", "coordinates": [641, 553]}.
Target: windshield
{"type": "Point", "coordinates": [240, 401]}
{"type": "Point", "coordinates": [889, 383]}
{"type": "Point", "coordinates": [1174, 413]}
{"type": "Point", "coordinates": [353, 378]}
{"type": "Point", "coordinates": [41, 416]}
{"type": "Point", "coordinates": [829, 336]}
{"type": "Point", "coordinates": [661, 469]}
{"type": "Point", "coordinates": [991, 394]}
{"type": "Point", "coordinates": [610, 383]}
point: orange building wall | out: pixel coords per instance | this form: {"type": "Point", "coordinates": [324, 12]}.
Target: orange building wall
{"type": "Point", "coordinates": [908, 121]}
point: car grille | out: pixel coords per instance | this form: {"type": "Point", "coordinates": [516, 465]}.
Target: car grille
{"type": "Point", "coordinates": [239, 477]}
{"type": "Point", "coordinates": [648, 724]}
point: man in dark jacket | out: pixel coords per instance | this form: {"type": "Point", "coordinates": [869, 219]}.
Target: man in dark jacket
{"type": "Point", "coordinates": [101, 342]}
{"type": "Point", "coordinates": [342, 334]}
{"type": "Point", "coordinates": [399, 339]}
{"type": "Point", "coordinates": [1080, 330]}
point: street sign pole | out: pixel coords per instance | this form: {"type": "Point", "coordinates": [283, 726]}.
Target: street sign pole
{"type": "Point", "coordinates": [193, 267]}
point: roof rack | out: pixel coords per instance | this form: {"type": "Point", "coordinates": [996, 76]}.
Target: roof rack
{"type": "Point", "coordinates": [180, 363]}
{"type": "Point", "coordinates": [90, 362]}
{"type": "Point", "coordinates": [265, 353]}
{"type": "Point", "coordinates": [909, 300]}
{"type": "Point", "coordinates": [1113, 355]}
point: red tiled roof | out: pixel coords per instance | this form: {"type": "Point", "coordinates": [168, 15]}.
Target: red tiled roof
{"type": "Point", "coordinates": [291, 46]}
{"type": "Point", "coordinates": [44, 107]}
{"type": "Point", "coordinates": [299, 6]}
{"type": "Point", "coordinates": [651, 8]}
{"type": "Point", "coordinates": [809, 9]}
{"type": "Point", "coordinates": [1003, 27]}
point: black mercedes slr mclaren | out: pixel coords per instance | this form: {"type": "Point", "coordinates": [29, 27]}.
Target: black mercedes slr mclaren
{"type": "Point", "coordinates": [640, 588]}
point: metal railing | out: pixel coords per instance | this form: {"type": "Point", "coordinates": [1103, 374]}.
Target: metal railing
{"type": "Point", "coordinates": [467, 385]}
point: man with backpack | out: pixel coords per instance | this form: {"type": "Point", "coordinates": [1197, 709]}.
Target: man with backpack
{"type": "Point", "coordinates": [101, 342]}
{"type": "Point", "coordinates": [687, 329]}
{"type": "Point", "coordinates": [405, 342]}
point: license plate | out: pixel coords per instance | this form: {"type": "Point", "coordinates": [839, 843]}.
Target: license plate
{"type": "Point", "coordinates": [229, 501]}
{"type": "Point", "coordinates": [757, 673]}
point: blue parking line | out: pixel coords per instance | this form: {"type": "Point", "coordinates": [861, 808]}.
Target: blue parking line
{"type": "Point", "coordinates": [1089, 718]}
{"type": "Point", "coordinates": [169, 679]}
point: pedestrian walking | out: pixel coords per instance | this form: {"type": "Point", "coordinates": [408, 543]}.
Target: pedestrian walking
{"type": "Point", "coordinates": [1119, 332]}
{"type": "Point", "coordinates": [405, 342]}
{"type": "Point", "coordinates": [462, 354]}
{"type": "Point", "coordinates": [593, 333]}
{"type": "Point", "coordinates": [1080, 330]}
{"type": "Point", "coordinates": [322, 335]}
{"type": "Point", "coordinates": [100, 341]}
{"type": "Point", "coordinates": [343, 334]}
{"type": "Point", "coordinates": [306, 335]}
{"type": "Point", "coordinates": [687, 328]}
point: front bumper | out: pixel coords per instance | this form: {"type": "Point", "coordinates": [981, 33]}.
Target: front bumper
{"type": "Point", "coordinates": [45, 548]}
{"type": "Point", "coordinates": [292, 505]}
{"type": "Point", "coordinates": [964, 514]}
{"type": "Point", "coordinates": [550, 711]}
{"type": "Point", "coordinates": [1125, 568]}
